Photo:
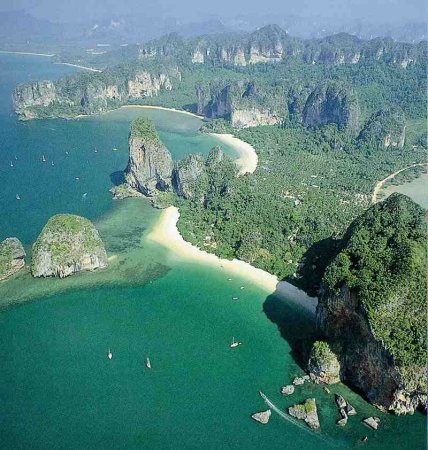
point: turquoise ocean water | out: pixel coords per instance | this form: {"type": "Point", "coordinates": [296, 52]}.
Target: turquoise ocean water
{"type": "Point", "coordinates": [58, 390]}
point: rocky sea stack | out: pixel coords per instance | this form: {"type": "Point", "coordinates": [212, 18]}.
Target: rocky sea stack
{"type": "Point", "coordinates": [373, 305]}
{"type": "Point", "coordinates": [66, 245]}
{"type": "Point", "coordinates": [11, 257]}
{"type": "Point", "coordinates": [150, 163]}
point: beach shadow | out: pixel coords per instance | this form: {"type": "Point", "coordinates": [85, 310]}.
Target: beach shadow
{"type": "Point", "coordinates": [117, 178]}
{"type": "Point", "coordinates": [191, 107]}
{"type": "Point", "coordinates": [295, 325]}
{"type": "Point", "coordinates": [315, 261]}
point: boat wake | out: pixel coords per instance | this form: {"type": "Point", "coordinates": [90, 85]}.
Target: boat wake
{"type": "Point", "coordinates": [295, 421]}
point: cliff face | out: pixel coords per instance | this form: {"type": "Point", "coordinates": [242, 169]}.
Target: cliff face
{"type": "Point", "coordinates": [373, 306]}
{"type": "Point", "coordinates": [66, 245]}
{"type": "Point", "coordinates": [241, 102]}
{"type": "Point", "coordinates": [82, 95]}
{"type": "Point", "coordinates": [271, 44]}
{"type": "Point", "coordinates": [38, 93]}
{"type": "Point", "coordinates": [12, 256]}
{"type": "Point", "coordinates": [189, 177]}
{"type": "Point", "coordinates": [386, 128]}
{"type": "Point", "coordinates": [331, 103]}
{"type": "Point", "coordinates": [150, 163]}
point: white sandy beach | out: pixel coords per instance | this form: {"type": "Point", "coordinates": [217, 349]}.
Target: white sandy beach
{"type": "Point", "coordinates": [247, 157]}
{"type": "Point", "coordinates": [163, 108]}
{"type": "Point", "coordinates": [165, 233]}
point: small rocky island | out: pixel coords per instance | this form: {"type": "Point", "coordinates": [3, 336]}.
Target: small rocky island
{"type": "Point", "coordinates": [66, 245]}
{"type": "Point", "coordinates": [11, 257]}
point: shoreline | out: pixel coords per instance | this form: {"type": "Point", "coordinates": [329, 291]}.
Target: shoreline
{"type": "Point", "coordinates": [91, 69]}
{"type": "Point", "coordinates": [163, 108]}
{"type": "Point", "coordinates": [379, 184]}
{"type": "Point", "coordinates": [247, 157]}
{"type": "Point", "coordinates": [26, 53]}
{"type": "Point", "coordinates": [166, 233]}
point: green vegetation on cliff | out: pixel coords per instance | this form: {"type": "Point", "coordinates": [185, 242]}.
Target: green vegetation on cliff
{"type": "Point", "coordinates": [383, 260]}
{"type": "Point", "coordinates": [67, 244]}
{"type": "Point", "coordinates": [142, 127]}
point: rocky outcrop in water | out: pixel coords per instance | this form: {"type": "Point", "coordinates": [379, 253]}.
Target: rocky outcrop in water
{"type": "Point", "coordinates": [262, 417]}
{"type": "Point", "coordinates": [323, 363]}
{"type": "Point", "coordinates": [373, 305]}
{"type": "Point", "coordinates": [12, 256]}
{"type": "Point", "coordinates": [66, 245]}
{"type": "Point", "coordinates": [33, 95]}
{"type": "Point", "coordinates": [332, 103]}
{"type": "Point", "coordinates": [150, 163]}
{"type": "Point", "coordinates": [306, 411]}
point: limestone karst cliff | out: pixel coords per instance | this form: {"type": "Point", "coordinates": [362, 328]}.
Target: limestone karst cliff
{"type": "Point", "coordinates": [385, 128]}
{"type": "Point", "coordinates": [93, 93]}
{"type": "Point", "coordinates": [332, 103]}
{"type": "Point", "coordinates": [373, 305]}
{"type": "Point", "coordinates": [271, 44]}
{"type": "Point", "coordinates": [66, 245]}
{"type": "Point", "coordinates": [12, 256]}
{"type": "Point", "coordinates": [150, 163]}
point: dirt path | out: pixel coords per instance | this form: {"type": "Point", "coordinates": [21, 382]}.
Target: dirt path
{"type": "Point", "coordinates": [380, 183]}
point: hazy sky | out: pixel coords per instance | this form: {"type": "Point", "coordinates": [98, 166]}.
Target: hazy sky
{"type": "Point", "coordinates": [383, 11]}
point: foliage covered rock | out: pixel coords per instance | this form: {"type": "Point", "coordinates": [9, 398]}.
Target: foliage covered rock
{"type": "Point", "coordinates": [67, 244]}
{"type": "Point", "coordinates": [323, 363]}
{"type": "Point", "coordinates": [374, 304]}
{"type": "Point", "coordinates": [12, 256]}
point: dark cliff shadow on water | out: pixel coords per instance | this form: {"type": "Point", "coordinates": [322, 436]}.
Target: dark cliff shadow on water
{"type": "Point", "coordinates": [117, 178]}
{"type": "Point", "coordinates": [296, 326]}
{"type": "Point", "coordinates": [313, 265]}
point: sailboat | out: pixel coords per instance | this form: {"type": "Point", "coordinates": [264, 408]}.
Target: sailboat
{"type": "Point", "coordinates": [109, 354]}
{"type": "Point", "coordinates": [234, 343]}
{"type": "Point", "coordinates": [148, 363]}
{"type": "Point", "coordinates": [11, 164]}
{"type": "Point", "coordinates": [18, 197]}
{"type": "Point", "coordinates": [43, 158]}
{"type": "Point", "coordinates": [53, 163]}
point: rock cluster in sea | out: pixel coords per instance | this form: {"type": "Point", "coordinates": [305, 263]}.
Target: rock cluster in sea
{"type": "Point", "coordinates": [306, 411]}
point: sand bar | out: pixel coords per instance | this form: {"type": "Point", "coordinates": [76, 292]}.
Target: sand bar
{"type": "Point", "coordinates": [27, 53]}
{"type": "Point", "coordinates": [165, 233]}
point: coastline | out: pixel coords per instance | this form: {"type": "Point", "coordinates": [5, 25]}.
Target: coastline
{"type": "Point", "coordinates": [247, 157]}
{"type": "Point", "coordinates": [163, 108]}
{"type": "Point", "coordinates": [27, 53]}
{"type": "Point", "coordinates": [165, 233]}
{"type": "Point", "coordinates": [91, 69]}
{"type": "Point", "coordinates": [379, 184]}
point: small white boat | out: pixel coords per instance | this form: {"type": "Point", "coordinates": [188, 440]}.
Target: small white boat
{"type": "Point", "coordinates": [84, 195]}
{"type": "Point", "coordinates": [235, 343]}
{"type": "Point", "coordinates": [242, 287]}
{"type": "Point", "coordinates": [235, 298]}
{"type": "Point", "coordinates": [115, 149]}
{"type": "Point", "coordinates": [109, 354]}
{"type": "Point", "coordinates": [43, 158]}
{"type": "Point", "coordinates": [11, 164]}
{"type": "Point", "coordinates": [77, 178]}
{"type": "Point", "coordinates": [18, 197]}
{"type": "Point", "coordinates": [66, 153]}
{"type": "Point", "coordinates": [53, 163]}
{"type": "Point", "coordinates": [148, 363]}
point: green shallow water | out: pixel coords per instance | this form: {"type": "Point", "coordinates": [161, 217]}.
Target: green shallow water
{"type": "Point", "coordinates": [57, 387]}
